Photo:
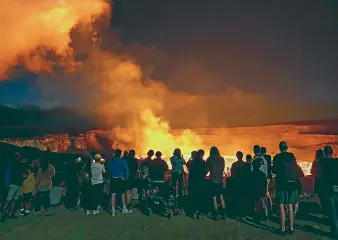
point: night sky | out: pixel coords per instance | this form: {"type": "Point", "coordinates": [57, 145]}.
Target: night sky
{"type": "Point", "coordinates": [281, 49]}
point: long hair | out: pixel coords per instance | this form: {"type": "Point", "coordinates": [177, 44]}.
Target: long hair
{"type": "Point", "coordinates": [214, 154]}
{"type": "Point", "coordinates": [177, 152]}
{"type": "Point", "coordinates": [44, 164]}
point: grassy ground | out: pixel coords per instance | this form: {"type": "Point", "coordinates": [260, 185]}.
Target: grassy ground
{"type": "Point", "coordinates": [62, 225]}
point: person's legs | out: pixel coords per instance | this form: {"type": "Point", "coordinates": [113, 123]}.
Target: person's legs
{"type": "Point", "coordinates": [113, 203]}
{"type": "Point", "coordinates": [282, 217]}
{"type": "Point", "coordinates": [332, 211]}
{"type": "Point", "coordinates": [45, 200]}
{"type": "Point", "coordinates": [291, 217]}
{"type": "Point", "coordinates": [174, 180]}
{"type": "Point", "coordinates": [122, 190]}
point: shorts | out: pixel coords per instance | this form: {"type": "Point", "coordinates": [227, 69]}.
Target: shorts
{"type": "Point", "coordinates": [215, 189]}
{"type": "Point", "coordinates": [13, 192]}
{"type": "Point", "coordinates": [117, 185]}
{"type": "Point", "coordinates": [27, 197]}
{"type": "Point", "coordinates": [287, 196]}
{"type": "Point", "coordinates": [129, 185]}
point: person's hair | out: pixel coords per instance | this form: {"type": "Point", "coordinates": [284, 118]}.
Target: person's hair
{"type": "Point", "coordinates": [263, 150]}
{"type": "Point", "coordinates": [44, 164]}
{"type": "Point", "coordinates": [214, 154]}
{"type": "Point", "coordinates": [319, 155]}
{"type": "Point", "coordinates": [239, 155]}
{"type": "Point", "coordinates": [248, 158]}
{"type": "Point", "coordinates": [132, 153]}
{"type": "Point", "coordinates": [193, 153]}
{"type": "Point", "coordinates": [150, 153]}
{"type": "Point", "coordinates": [200, 153]}
{"type": "Point", "coordinates": [117, 153]}
{"type": "Point", "coordinates": [283, 146]}
{"type": "Point", "coordinates": [158, 154]}
{"type": "Point", "coordinates": [177, 152]}
{"type": "Point", "coordinates": [328, 150]}
{"type": "Point", "coordinates": [257, 149]}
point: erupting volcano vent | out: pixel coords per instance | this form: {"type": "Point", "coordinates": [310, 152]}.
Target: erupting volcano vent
{"type": "Point", "coordinates": [112, 88]}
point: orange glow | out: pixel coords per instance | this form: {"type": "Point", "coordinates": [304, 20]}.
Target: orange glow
{"type": "Point", "coordinates": [157, 136]}
{"type": "Point", "coordinates": [32, 28]}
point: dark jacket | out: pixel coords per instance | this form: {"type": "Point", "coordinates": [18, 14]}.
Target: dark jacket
{"type": "Point", "coordinates": [197, 170]}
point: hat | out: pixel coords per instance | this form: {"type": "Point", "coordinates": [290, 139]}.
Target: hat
{"type": "Point", "coordinates": [97, 156]}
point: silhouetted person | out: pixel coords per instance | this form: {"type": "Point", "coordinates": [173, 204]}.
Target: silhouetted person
{"type": "Point", "coordinates": [159, 168]}
{"type": "Point", "coordinates": [44, 184]}
{"type": "Point", "coordinates": [72, 182]}
{"type": "Point", "coordinates": [286, 169]}
{"type": "Point", "coordinates": [148, 161]}
{"type": "Point", "coordinates": [132, 163]}
{"type": "Point", "coordinates": [237, 177]}
{"type": "Point", "coordinates": [16, 178]}
{"type": "Point", "coordinates": [258, 184]}
{"type": "Point", "coordinates": [268, 159]}
{"type": "Point", "coordinates": [317, 179]}
{"type": "Point", "coordinates": [197, 182]}
{"type": "Point", "coordinates": [119, 173]}
{"type": "Point", "coordinates": [329, 170]}
{"type": "Point", "coordinates": [258, 157]}
{"type": "Point", "coordinates": [216, 165]}
{"type": "Point", "coordinates": [177, 162]}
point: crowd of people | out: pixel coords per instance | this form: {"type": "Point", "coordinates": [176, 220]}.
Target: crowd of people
{"type": "Point", "coordinates": [95, 184]}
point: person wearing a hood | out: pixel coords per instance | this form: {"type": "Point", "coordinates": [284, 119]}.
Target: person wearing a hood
{"type": "Point", "coordinates": [177, 162]}
{"type": "Point", "coordinates": [119, 174]}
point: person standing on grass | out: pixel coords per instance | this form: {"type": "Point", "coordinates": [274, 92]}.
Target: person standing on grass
{"type": "Point", "coordinates": [27, 191]}
{"type": "Point", "coordinates": [15, 182]}
{"type": "Point", "coordinates": [287, 173]}
{"type": "Point", "coordinates": [268, 159]}
{"type": "Point", "coordinates": [159, 168]}
{"type": "Point", "coordinates": [329, 169]}
{"type": "Point", "coordinates": [177, 162]}
{"type": "Point", "coordinates": [196, 186]}
{"type": "Point", "coordinates": [215, 164]}
{"type": "Point", "coordinates": [132, 163]}
{"type": "Point", "coordinates": [43, 185]}
{"type": "Point", "coordinates": [317, 180]}
{"type": "Point", "coordinates": [97, 171]}
{"type": "Point", "coordinates": [119, 173]}
{"type": "Point", "coordinates": [237, 174]}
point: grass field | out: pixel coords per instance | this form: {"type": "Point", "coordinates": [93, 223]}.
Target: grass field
{"type": "Point", "coordinates": [62, 224]}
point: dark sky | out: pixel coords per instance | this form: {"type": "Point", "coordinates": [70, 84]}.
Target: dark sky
{"type": "Point", "coordinates": [286, 49]}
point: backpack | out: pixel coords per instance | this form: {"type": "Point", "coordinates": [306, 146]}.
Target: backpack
{"type": "Point", "coordinates": [289, 167]}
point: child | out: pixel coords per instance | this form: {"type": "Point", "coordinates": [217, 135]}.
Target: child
{"type": "Point", "coordinates": [259, 185]}
{"type": "Point", "coordinates": [28, 191]}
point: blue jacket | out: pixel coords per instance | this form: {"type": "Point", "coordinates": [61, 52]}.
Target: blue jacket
{"type": "Point", "coordinates": [119, 168]}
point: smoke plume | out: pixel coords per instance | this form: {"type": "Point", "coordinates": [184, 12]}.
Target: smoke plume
{"type": "Point", "coordinates": [32, 29]}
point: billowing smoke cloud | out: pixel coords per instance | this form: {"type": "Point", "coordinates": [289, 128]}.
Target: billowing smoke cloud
{"type": "Point", "coordinates": [32, 29]}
